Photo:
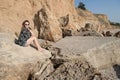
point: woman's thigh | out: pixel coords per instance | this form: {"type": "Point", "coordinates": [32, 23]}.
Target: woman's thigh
{"type": "Point", "coordinates": [30, 40]}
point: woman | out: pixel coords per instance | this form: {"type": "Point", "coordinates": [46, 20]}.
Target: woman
{"type": "Point", "coordinates": [26, 36]}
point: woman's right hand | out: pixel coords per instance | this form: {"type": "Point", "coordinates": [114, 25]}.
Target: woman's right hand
{"type": "Point", "coordinates": [32, 33]}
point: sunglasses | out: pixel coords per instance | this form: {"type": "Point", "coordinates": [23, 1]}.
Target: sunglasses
{"type": "Point", "coordinates": [26, 24]}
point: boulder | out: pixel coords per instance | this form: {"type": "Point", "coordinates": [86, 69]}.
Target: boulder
{"type": "Point", "coordinates": [47, 29]}
{"type": "Point", "coordinates": [87, 31]}
{"type": "Point", "coordinates": [71, 70]}
{"type": "Point", "coordinates": [117, 34]}
{"type": "Point", "coordinates": [100, 52]}
{"type": "Point", "coordinates": [111, 32]}
{"type": "Point", "coordinates": [17, 62]}
{"type": "Point", "coordinates": [108, 33]}
{"type": "Point", "coordinates": [64, 20]}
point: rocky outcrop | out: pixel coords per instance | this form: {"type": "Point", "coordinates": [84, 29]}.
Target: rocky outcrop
{"type": "Point", "coordinates": [103, 19]}
{"type": "Point", "coordinates": [17, 62]}
{"type": "Point", "coordinates": [88, 16]}
{"type": "Point", "coordinates": [117, 34]}
{"type": "Point", "coordinates": [97, 51]}
{"type": "Point", "coordinates": [70, 69]}
{"type": "Point", "coordinates": [88, 31]}
{"type": "Point", "coordinates": [77, 60]}
{"type": "Point", "coordinates": [77, 45]}
{"type": "Point", "coordinates": [44, 16]}
{"type": "Point", "coordinates": [72, 59]}
{"type": "Point", "coordinates": [95, 20]}
{"type": "Point", "coordinates": [111, 32]}
{"type": "Point", "coordinates": [51, 20]}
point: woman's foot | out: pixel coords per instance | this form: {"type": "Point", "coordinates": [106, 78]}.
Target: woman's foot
{"type": "Point", "coordinates": [41, 49]}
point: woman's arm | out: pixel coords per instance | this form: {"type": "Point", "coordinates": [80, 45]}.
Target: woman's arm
{"type": "Point", "coordinates": [32, 33]}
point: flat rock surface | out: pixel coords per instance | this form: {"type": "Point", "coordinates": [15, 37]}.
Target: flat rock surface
{"type": "Point", "coordinates": [16, 62]}
{"type": "Point", "coordinates": [77, 44]}
{"type": "Point", "coordinates": [10, 52]}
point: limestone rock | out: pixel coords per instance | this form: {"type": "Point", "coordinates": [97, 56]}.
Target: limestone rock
{"type": "Point", "coordinates": [64, 20]}
{"type": "Point", "coordinates": [99, 51]}
{"type": "Point", "coordinates": [95, 20]}
{"type": "Point", "coordinates": [17, 62]}
{"type": "Point", "coordinates": [47, 29]}
{"type": "Point", "coordinates": [73, 69]}
{"type": "Point", "coordinates": [117, 34]}
{"type": "Point", "coordinates": [108, 33]}
{"type": "Point", "coordinates": [103, 19]}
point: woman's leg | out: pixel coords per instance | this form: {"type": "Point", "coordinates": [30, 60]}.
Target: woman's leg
{"type": "Point", "coordinates": [33, 39]}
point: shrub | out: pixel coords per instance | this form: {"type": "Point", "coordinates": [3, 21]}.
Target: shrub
{"type": "Point", "coordinates": [81, 6]}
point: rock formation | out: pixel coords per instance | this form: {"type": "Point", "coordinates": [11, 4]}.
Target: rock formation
{"type": "Point", "coordinates": [17, 62]}
{"type": "Point", "coordinates": [14, 12]}
{"type": "Point", "coordinates": [97, 61]}
{"type": "Point", "coordinates": [71, 58]}
{"type": "Point", "coordinates": [103, 19]}
{"type": "Point", "coordinates": [51, 20]}
{"type": "Point", "coordinates": [95, 20]}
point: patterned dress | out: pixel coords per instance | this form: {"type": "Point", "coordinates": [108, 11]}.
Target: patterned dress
{"type": "Point", "coordinates": [25, 34]}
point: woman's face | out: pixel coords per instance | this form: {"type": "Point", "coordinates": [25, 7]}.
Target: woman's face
{"type": "Point", "coordinates": [26, 24]}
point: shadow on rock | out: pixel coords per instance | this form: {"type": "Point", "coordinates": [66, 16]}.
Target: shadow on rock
{"type": "Point", "coordinates": [117, 70]}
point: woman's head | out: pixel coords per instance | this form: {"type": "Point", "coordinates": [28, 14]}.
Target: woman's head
{"type": "Point", "coordinates": [26, 24]}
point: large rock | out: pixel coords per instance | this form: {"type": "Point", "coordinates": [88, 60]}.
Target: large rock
{"type": "Point", "coordinates": [48, 29]}
{"type": "Point", "coordinates": [78, 69]}
{"type": "Point", "coordinates": [17, 62]}
{"type": "Point", "coordinates": [100, 52]}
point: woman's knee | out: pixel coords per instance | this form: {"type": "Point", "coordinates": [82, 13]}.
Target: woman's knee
{"type": "Point", "coordinates": [34, 38]}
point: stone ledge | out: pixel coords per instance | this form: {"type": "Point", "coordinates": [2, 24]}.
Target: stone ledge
{"type": "Point", "coordinates": [100, 52]}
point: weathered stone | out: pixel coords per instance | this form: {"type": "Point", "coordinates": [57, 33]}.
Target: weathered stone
{"type": "Point", "coordinates": [99, 51]}
{"type": "Point", "coordinates": [46, 28]}
{"type": "Point", "coordinates": [73, 58]}
{"type": "Point", "coordinates": [74, 69]}
{"type": "Point", "coordinates": [89, 33]}
{"type": "Point", "coordinates": [95, 20]}
{"type": "Point", "coordinates": [64, 20]}
{"type": "Point", "coordinates": [108, 33]}
{"type": "Point", "coordinates": [111, 32]}
{"type": "Point", "coordinates": [103, 19]}
{"type": "Point", "coordinates": [71, 70]}
{"type": "Point", "coordinates": [46, 17]}
{"type": "Point", "coordinates": [43, 16]}
{"type": "Point", "coordinates": [117, 34]}
{"type": "Point", "coordinates": [17, 62]}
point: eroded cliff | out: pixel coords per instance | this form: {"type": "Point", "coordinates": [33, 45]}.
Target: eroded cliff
{"type": "Point", "coordinates": [50, 19]}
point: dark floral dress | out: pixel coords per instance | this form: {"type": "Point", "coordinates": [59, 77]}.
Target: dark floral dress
{"type": "Point", "coordinates": [25, 34]}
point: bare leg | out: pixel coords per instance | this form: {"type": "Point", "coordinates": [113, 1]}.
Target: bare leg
{"type": "Point", "coordinates": [34, 39]}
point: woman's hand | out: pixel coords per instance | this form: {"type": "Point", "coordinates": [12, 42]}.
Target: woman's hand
{"type": "Point", "coordinates": [32, 33]}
